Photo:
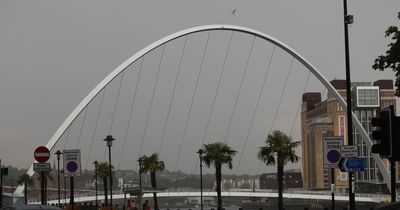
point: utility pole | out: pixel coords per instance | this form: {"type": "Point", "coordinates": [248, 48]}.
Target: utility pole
{"type": "Point", "coordinates": [348, 19]}
{"type": "Point", "coordinates": [1, 185]}
{"type": "Point", "coordinates": [58, 153]}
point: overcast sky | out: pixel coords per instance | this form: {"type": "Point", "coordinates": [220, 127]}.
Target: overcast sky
{"type": "Point", "coordinates": [52, 53]}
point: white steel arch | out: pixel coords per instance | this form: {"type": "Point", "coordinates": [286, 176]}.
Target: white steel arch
{"type": "Point", "coordinates": [74, 114]}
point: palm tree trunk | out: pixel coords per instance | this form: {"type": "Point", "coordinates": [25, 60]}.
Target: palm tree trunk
{"type": "Point", "coordinates": [218, 178]}
{"type": "Point", "coordinates": [154, 185]}
{"type": "Point", "coordinates": [105, 190]}
{"type": "Point", "coordinates": [25, 192]}
{"type": "Point", "coordinates": [280, 184]}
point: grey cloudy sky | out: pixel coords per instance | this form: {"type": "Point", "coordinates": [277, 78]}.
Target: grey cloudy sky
{"type": "Point", "coordinates": [52, 53]}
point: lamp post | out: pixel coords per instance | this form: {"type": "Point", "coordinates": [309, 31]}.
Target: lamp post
{"type": "Point", "coordinates": [58, 153]}
{"type": "Point", "coordinates": [65, 188]}
{"type": "Point", "coordinates": [12, 191]}
{"type": "Point", "coordinates": [348, 19]}
{"type": "Point", "coordinates": [200, 151]}
{"type": "Point", "coordinates": [1, 185]}
{"type": "Point", "coordinates": [109, 139]}
{"type": "Point", "coordinates": [95, 183]}
{"type": "Point", "coordinates": [140, 160]}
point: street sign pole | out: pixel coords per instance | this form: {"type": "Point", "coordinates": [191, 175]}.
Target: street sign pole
{"type": "Point", "coordinates": [42, 187]}
{"type": "Point", "coordinates": [71, 195]}
{"type": "Point", "coordinates": [348, 19]}
{"type": "Point", "coordinates": [392, 179]}
{"type": "Point", "coordinates": [333, 188]}
{"type": "Point", "coordinates": [1, 186]}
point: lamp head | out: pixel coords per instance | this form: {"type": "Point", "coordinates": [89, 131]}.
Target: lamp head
{"type": "Point", "coordinates": [109, 139]}
{"type": "Point", "coordinates": [58, 153]}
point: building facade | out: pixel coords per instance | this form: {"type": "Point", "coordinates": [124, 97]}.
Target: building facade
{"type": "Point", "coordinates": [327, 117]}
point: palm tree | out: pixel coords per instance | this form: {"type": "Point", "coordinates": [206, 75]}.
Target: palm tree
{"type": "Point", "coordinates": [103, 171]}
{"type": "Point", "coordinates": [25, 180]}
{"type": "Point", "coordinates": [152, 164]}
{"type": "Point", "coordinates": [217, 154]}
{"type": "Point", "coordinates": [280, 149]}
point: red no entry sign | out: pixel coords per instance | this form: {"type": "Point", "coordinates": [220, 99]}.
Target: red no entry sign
{"type": "Point", "coordinates": [41, 154]}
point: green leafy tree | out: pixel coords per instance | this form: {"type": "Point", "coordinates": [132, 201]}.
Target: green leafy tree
{"type": "Point", "coordinates": [103, 171]}
{"type": "Point", "coordinates": [392, 58]}
{"type": "Point", "coordinates": [218, 154]}
{"type": "Point", "coordinates": [25, 180]}
{"type": "Point", "coordinates": [279, 149]}
{"type": "Point", "coordinates": [152, 164]}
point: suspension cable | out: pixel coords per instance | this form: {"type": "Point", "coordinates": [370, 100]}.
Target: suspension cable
{"type": "Point", "coordinates": [116, 103]}
{"type": "Point", "coordinates": [173, 95]}
{"type": "Point", "coordinates": [278, 106]}
{"type": "Point", "coordinates": [240, 90]}
{"type": "Point", "coordinates": [218, 87]}
{"type": "Point", "coordinates": [298, 109]}
{"type": "Point", "coordinates": [192, 102]}
{"type": "Point", "coordinates": [255, 110]}
{"type": "Point", "coordinates": [281, 96]}
{"type": "Point", "coordinates": [131, 113]}
{"type": "Point", "coordinates": [95, 127]}
{"type": "Point", "coordinates": [151, 102]}
{"type": "Point", "coordinates": [83, 123]}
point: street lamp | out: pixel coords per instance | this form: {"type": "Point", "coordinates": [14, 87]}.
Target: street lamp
{"type": "Point", "coordinates": [200, 151]}
{"type": "Point", "coordinates": [12, 191]}
{"type": "Point", "coordinates": [140, 172]}
{"type": "Point", "coordinates": [95, 184]}
{"type": "Point", "coordinates": [140, 179]}
{"type": "Point", "coordinates": [109, 139]}
{"type": "Point", "coordinates": [58, 153]}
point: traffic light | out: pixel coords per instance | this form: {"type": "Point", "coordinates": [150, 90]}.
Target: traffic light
{"type": "Point", "coordinates": [395, 138]}
{"type": "Point", "coordinates": [382, 134]}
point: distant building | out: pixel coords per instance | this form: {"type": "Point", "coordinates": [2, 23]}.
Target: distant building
{"type": "Point", "coordinates": [327, 117]}
{"type": "Point", "coordinates": [291, 179]}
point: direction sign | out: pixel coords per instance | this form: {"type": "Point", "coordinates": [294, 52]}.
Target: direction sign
{"type": "Point", "coordinates": [332, 150]}
{"type": "Point", "coordinates": [349, 151]}
{"type": "Point", "coordinates": [41, 154]}
{"type": "Point", "coordinates": [351, 164]}
{"type": "Point", "coordinates": [72, 162]}
{"type": "Point", "coordinates": [39, 167]}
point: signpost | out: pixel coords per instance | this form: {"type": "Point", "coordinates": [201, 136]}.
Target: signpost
{"type": "Point", "coordinates": [72, 167]}
{"type": "Point", "coordinates": [349, 151]}
{"type": "Point", "coordinates": [332, 156]}
{"type": "Point", "coordinates": [332, 150]}
{"type": "Point", "coordinates": [351, 164]}
{"type": "Point", "coordinates": [42, 155]}
{"type": "Point", "coordinates": [41, 167]}
{"type": "Point", "coordinates": [72, 162]}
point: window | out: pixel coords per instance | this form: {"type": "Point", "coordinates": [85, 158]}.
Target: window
{"type": "Point", "coordinates": [368, 96]}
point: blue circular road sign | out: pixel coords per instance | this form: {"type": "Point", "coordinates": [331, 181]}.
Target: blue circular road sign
{"type": "Point", "coordinates": [333, 156]}
{"type": "Point", "coordinates": [72, 166]}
